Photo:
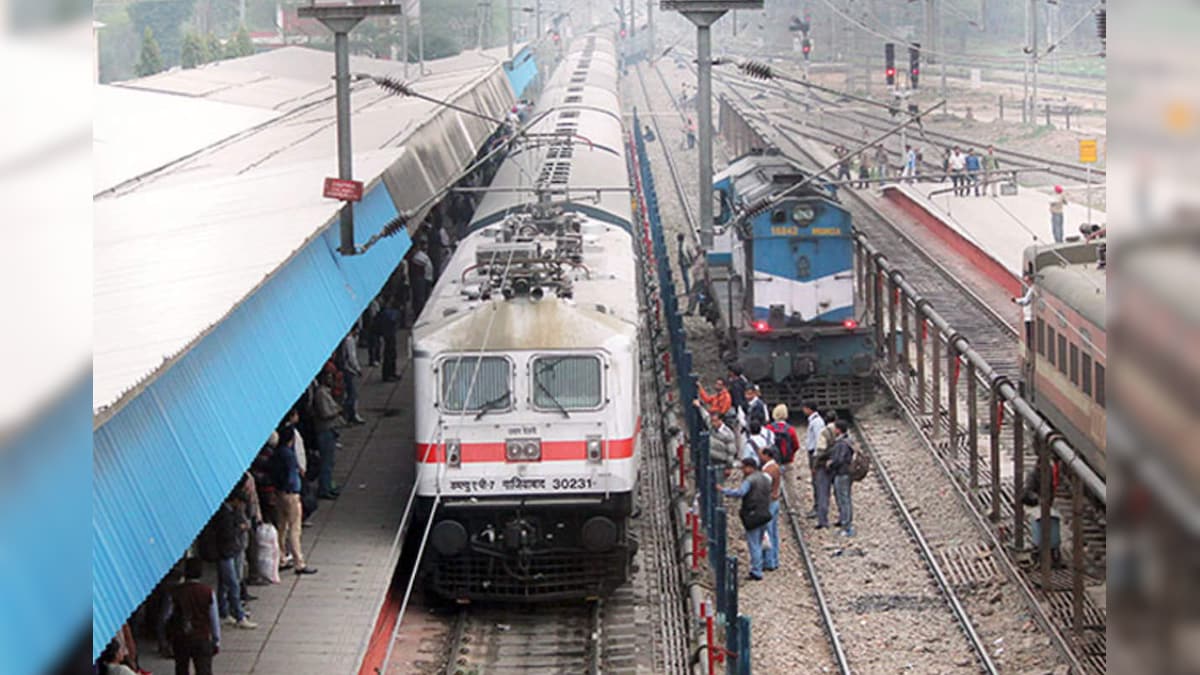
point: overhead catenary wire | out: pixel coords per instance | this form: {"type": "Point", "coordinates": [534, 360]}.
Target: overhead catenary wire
{"type": "Point", "coordinates": [977, 58]}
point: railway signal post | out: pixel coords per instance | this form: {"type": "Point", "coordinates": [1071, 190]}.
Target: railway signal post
{"type": "Point", "coordinates": [704, 13]}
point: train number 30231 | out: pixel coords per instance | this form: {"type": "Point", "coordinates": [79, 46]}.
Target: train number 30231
{"type": "Point", "coordinates": [571, 483]}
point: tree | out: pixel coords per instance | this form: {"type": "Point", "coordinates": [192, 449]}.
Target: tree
{"type": "Point", "coordinates": [242, 45]}
{"type": "Point", "coordinates": [216, 50]}
{"type": "Point", "coordinates": [150, 62]}
{"type": "Point", "coordinates": [194, 51]}
{"type": "Point", "coordinates": [165, 18]}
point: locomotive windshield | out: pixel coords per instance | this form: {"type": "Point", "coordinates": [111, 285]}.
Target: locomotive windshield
{"type": "Point", "coordinates": [475, 383]}
{"type": "Point", "coordinates": [567, 382]}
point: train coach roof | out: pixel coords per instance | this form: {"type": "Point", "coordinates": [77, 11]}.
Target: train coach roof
{"type": "Point", "coordinates": [1081, 287]}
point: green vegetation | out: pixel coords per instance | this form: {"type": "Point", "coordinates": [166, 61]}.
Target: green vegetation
{"type": "Point", "coordinates": [194, 51]}
{"type": "Point", "coordinates": [150, 62]}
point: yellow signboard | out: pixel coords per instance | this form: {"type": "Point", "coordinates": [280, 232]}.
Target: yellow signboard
{"type": "Point", "coordinates": [1088, 152]}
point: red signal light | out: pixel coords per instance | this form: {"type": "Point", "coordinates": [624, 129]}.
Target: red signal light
{"type": "Point", "coordinates": [761, 327]}
{"type": "Point", "coordinates": [849, 324]}
{"type": "Point", "coordinates": [622, 32]}
{"type": "Point", "coordinates": [891, 72]}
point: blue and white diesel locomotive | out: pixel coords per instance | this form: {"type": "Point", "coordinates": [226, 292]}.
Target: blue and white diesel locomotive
{"type": "Point", "coordinates": [782, 277]}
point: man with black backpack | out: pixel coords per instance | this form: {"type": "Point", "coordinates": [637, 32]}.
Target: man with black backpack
{"type": "Point", "coordinates": [755, 493]}
{"type": "Point", "coordinates": [786, 439]}
{"type": "Point", "coordinates": [841, 460]}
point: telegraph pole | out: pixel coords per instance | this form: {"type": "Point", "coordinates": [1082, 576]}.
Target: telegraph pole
{"type": "Point", "coordinates": [341, 20]}
{"type": "Point", "coordinates": [510, 29]}
{"type": "Point", "coordinates": [650, 23]}
{"type": "Point", "coordinates": [1033, 56]}
{"type": "Point", "coordinates": [704, 13]}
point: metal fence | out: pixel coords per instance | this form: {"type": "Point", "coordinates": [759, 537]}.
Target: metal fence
{"type": "Point", "coordinates": [708, 518]}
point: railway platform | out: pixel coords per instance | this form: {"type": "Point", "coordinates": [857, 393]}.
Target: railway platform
{"type": "Point", "coordinates": [221, 289]}
{"type": "Point", "coordinates": [991, 232]}
{"type": "Point", "coordinates": [323, 622]}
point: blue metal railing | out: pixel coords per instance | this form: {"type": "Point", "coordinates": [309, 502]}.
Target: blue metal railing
{"type": "Point", "coordinates": [706, 477]}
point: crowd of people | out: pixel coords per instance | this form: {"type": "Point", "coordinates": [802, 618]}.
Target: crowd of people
{"type": "Point", "coordinates": [969, 171]}
{"type": "Point", "coordinates": [759, 442]}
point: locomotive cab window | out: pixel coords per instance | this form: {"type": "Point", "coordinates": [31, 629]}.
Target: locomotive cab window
{"type": "Point", "coordinates": [567, 383]}
{"type": "Point", "coordinates": [1041, 336]}
{"type": "Point", "coordinates": [473, 383]}
{"type": "Point", "coordinates": [1050, 344]}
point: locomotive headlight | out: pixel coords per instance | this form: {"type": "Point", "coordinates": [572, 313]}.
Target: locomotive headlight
{"type": "Point", "coordinates": [523, 450]}
{"type": "Point", "coordinates": [594, 448]}
{"type": "Point", "coordinates": [454, 453]}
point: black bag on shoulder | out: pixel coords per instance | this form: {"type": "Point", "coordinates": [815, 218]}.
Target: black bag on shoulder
{"type": "Point", "coordinates": [207, 546]}
{"type": "Point", "coordinates": [860, 465]}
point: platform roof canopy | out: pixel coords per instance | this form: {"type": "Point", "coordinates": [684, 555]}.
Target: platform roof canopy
{"type": "Point", "coordinates": [219, 290]}
{"type": "Point", "coordinates": [208, 179]}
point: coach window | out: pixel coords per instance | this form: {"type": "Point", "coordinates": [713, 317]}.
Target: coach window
{"type": "Point", "coordinates": [1101, 395]}
{"type": "Point", "coordinates": [472, 383]}
{"type": "Point", "coordinates": [1074, 364]}
{"type": "Point", "coordinates": [1085, 370]}
{"type": "Point", "coordinates": [1062, 353]}
{"type": "Point", "coordinates": [1050, 344]}
{"type": "Point", "coordinates": [567, 383]}
{"type": "Point", "coordinates": [1041, 336]}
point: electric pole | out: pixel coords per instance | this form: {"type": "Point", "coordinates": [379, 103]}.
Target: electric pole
{"type": "Point", "coordinates": [510, 29]}
{"type": "Point", "coordinates": [1032, 18]}
{"type": "Point", "coordinates": [703, 14]}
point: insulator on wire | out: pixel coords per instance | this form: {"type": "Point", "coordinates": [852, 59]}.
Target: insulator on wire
{"type": "Point", "coordinates": [393, 227]}
{"type": "Point", "coordinates": [394, 86]}
{"type": "Point", "coordinates": [759, 71]}
{"type": "Point", "coordinates": [1102, 23]}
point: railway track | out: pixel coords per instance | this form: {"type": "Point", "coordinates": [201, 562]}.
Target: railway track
{"type": "Point", "coordinates": [997, 339]}
{"type": "Point", "coordinates": [672, 168]}
{"type": "Point", "coordinates": [561, 639]}
{"type": "Point", "coordinates": [796, 94]}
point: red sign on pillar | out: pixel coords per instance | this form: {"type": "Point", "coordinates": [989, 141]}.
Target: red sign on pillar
{"type": "Point", "coordinates": [345, 190]}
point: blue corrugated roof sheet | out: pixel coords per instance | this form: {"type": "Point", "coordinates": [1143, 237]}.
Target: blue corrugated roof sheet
{"type": "Point", "coordinates": [166, 459]}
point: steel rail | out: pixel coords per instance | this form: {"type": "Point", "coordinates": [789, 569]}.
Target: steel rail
{"type": "Point", "coordinates": [676, 181]}
{"type": "Point", "coordinates": [914, 530]}
{"type": "Point", "coordinates": [595, 641]}
{"type": "Point", "coordinates": [982, 525]}
{"type": "Point", "coordinates": [810, 569]}
{"type": "Point", "coordinates": [788, 92]}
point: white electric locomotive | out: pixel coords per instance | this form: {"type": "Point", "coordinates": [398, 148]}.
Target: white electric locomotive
{"type": "Point", "coordinates": [526, 361]}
